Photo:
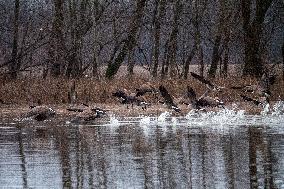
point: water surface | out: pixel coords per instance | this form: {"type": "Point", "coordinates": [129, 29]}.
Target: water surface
{"type": "Point", "coordinates": [231, 151]}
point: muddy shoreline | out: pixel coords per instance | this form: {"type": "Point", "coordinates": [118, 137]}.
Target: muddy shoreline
{"type": "Point", "coordinates": [10, 112]}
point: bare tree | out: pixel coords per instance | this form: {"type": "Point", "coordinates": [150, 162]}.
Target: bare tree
{"type": "Point", "coordinates": [15, 64]}
{"type": "Point", "coordinates": [216, 54]}
{"type": "Point", "coordinates": [57, 49]}
{"type": "Point", "coordinates": [252, 34]}
{"type": "Point", "coordinates": [130, 42]}
{"type": "Point", "coordinates": [198, 10]}
{"type": "Point", "coordinates": [170, 55]}
{"type": "Point", "coordinates": [86, 34]}
{"type": "Point", "coordinates": [283, 59]}
{"type": "Point", "coordinates": [158, 16]}
{"type": "Point", "coordinates": [80, 25]}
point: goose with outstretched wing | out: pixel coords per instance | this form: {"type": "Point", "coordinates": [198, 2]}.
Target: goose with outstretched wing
{"type": "Point", "coordinates": [202, 101]}
{"type": "Point", "coordinates": [168, 100]}
{"type": "Point", "coordinates": [129, 99]}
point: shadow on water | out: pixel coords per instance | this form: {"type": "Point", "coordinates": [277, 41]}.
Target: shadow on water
{"type": "Point", "coordinates": [162, 156]}
{"type": "Point", "coordinates": [23, 159]}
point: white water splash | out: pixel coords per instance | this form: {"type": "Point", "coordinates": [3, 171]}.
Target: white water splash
{"type": "Point", "coordinates": [265, 110]}
{"type": "Point", "coordinates": [222, 117]}
{"type": "Point", "coordinates": [174, 124]}
{"type": "Point", "coordinates": [162, 118]}
{"type": "Point", "coordinates": [144, 123]}
{"type": "Point", "coordinates": [233, 117]}
{"type": "Point", "coordinates": [278, 108]}
{"type": "Point", "coordinates": [174, 121]}
{"type": "Point", "coordinates": [113, 123]}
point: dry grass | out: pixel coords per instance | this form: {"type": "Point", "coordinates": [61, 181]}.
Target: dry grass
{"type": "Point", "coordinates": [15, 96]}
{"type": "Point", "coordinates": [54, 91]}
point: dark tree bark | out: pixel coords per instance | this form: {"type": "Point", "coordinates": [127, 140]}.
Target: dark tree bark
{"type": "Point", "coordinates": [80, 25]}
{"type": "Point", "coordinates": [252, 32]}
{"type": "Point", "coordinates": [201, 61]}
{"type": "Point", "coordinates": [130, 43]}
{"type": "Point", "coordinates": [225, 63]}
{"type": "Point", "coordinates": [172, 46]}
{"type": "Point", "coordinates": [199, 8]}
{"type": "Point", "coordinates": [57, 53]}
{"type": "Point", "coordinates": [15, 63]}
{"type": "Point", "coordinates": [188, 61]}
{"type": "Point", "coordinates": [215, 56]}
{"type": "Point", "coordinates": [283, 59]}
{"type": "Point", "coordinates": [157, 31]}
{"type": "Point", "coordinates": [130, 62]}
{"type": "Point", "coordinates": [165, 59]}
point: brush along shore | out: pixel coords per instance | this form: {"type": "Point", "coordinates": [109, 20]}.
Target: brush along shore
{"type": "Point", "coordinates": [16, 96]}
{"type": "Point", "coordinates": [55, 91]}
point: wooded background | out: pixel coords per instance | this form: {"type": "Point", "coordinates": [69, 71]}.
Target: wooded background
{"type": "Point", "coordinates": [72, 38]}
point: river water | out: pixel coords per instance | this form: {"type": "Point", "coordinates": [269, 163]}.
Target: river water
{"type": "Point", "coordinates": [214, 150]}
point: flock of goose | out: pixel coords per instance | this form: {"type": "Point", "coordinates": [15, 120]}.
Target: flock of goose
{"type": "Point", "coordinates": [86, 113]}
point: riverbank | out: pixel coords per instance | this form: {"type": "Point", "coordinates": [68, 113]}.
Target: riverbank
{"type": "Point", "coordinates": [16, 96]}
{"type": "Point", "coordinates": [12, 112]}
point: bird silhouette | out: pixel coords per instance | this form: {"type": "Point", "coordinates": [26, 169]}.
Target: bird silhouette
{"type": "Point", "coordinates": [168, 100]}
{"type": "Point", "coordinates": [40, 113]}
{"type": "Point", "coordinates": [129, 99]}
{"type": "Point", "coordinates": [202, 101]}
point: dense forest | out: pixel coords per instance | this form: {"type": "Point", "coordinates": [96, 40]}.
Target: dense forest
{"type": "Point", "coordinates": [75, 38]}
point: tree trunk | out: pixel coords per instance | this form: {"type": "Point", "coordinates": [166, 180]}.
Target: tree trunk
{"type": "Point", "coordinates": [252, 32]}
{"type": "Point", "coordinates": [225, 63]}
{"type": "Point", "coordinates": [15, 63]}
{"type": "Point", "coordinates": [157, 33]}
{"type": "Point", "coordinates": [215, 56]}
{"type": "Point", "coordinates": [170, 64]}
{"type": "Point", "coordinates": [57, 47]}
{"type": "Point", "coordinates": [188, 61]}
{"type": "Point", "coordinates": [201, 61]}
{"type": "Point", "coordinates": [79, 27]}
{"type": "Point", "coordinates": [283, 59]}
{"type": "Point", "coordinates": [130, 63]}
{"type": "Point", "coordinates": [165, 59]}
{"type": "Point", "coordinates": [130, 43]}
{"type": "Point", "coordinates": [224, 71]}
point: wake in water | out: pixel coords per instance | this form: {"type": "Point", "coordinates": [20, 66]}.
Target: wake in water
{"type": "Point", "coordinates": [226, 116]}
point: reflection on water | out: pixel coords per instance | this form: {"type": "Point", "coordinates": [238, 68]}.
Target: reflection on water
{"type": "Point", "coordinates": [138, 154]}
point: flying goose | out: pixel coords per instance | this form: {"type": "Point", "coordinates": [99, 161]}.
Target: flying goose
{"type": "Point", "coordinates": [40, 113]}
{"type": "Point", "coordinates": [203, 101]}
{"type": "Point", "coordinates": [168, 100]}
{"type": "Point", "coordinates": [211, 86]}
{"type": "Point", "coordinates": [129, 99]}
